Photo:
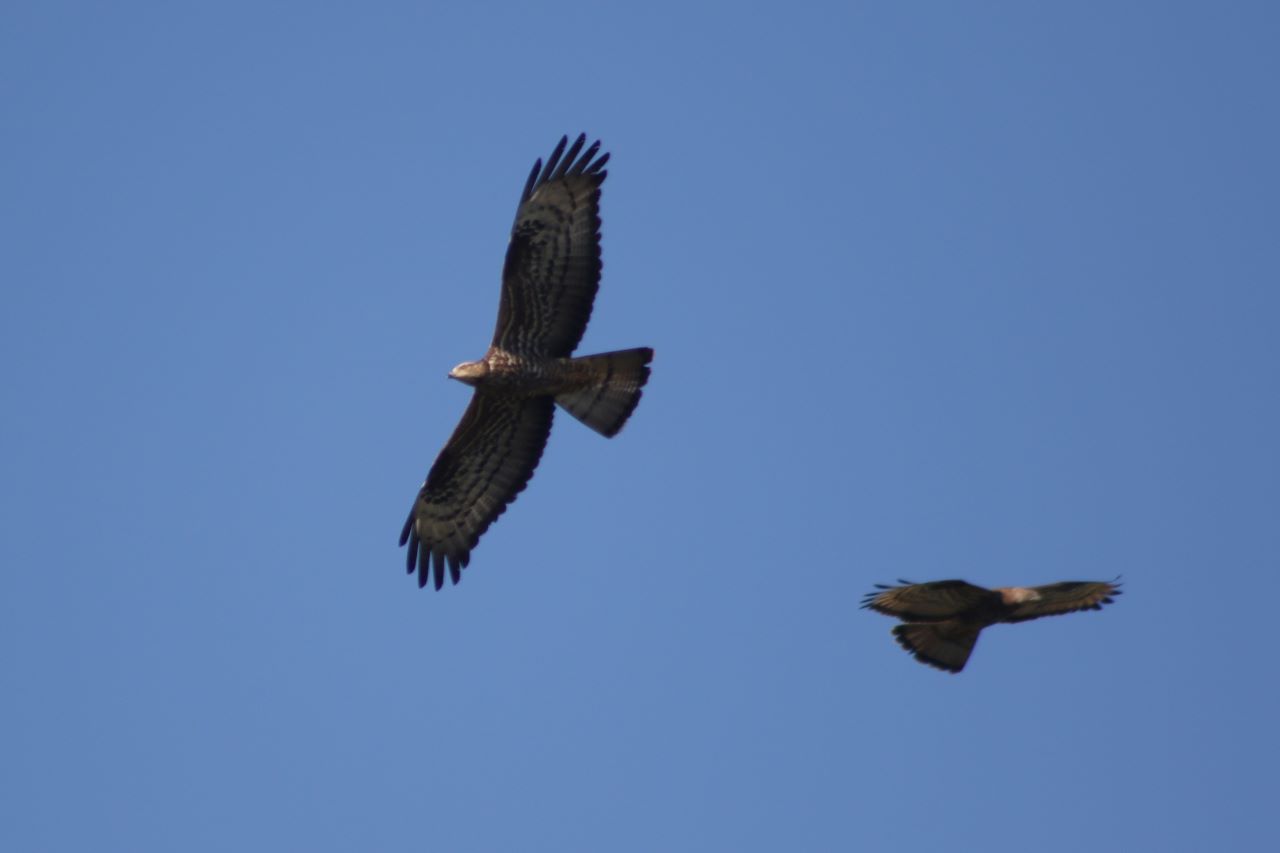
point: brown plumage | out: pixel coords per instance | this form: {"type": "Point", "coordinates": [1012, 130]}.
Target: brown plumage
{"type": "Point", "coordinates": [944, 618]}
{"type": "Point", "coordinates": [549, 284]}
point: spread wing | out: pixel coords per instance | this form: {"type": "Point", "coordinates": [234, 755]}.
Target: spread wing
{"type": "Point", "coordinates": [926, 602]}
{"type": "Point", "coordinates": [552, 271]}
{"type": "Point", "coordinates": [485, 464]}
{"type": "Point", "coordinates": [1066, 597]}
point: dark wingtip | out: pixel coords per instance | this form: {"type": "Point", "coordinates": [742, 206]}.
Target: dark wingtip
{"type": "Point", "coordinates": [583, 165]}
{"type": "Point", "coordinates": [437, 566]}
{"type": "Point", "coordinates": [869, 598]}
{"type": "Point", "coordinates": [411, 557]}
{"type": "Point", "coordinates": [531, 180]}
{"type": "Point", "coordinates": [571, 156]}
{"type": "Point", "coordinates": [554, 160]}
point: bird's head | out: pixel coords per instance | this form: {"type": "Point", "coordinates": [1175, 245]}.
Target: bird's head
{"type": "Point", "coordinates": [1014, 595]}
{"type": "Point", "coordinates": [470, 372]}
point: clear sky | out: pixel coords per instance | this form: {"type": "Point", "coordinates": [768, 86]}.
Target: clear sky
{"type": "Point", "coordinates": [984, 290]}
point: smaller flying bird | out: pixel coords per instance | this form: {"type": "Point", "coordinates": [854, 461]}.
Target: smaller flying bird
{"type": "Point", "coordinates": [944, 618]}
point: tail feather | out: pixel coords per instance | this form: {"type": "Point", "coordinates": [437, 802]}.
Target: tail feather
{"type": "Point", "coordinates": [945, 645]}
{"type": "Point", "coordinates": [609, 398]}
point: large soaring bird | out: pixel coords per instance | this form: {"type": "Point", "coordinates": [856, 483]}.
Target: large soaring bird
{"type": "Point", "coordinates": [549, 282]}
{"type": "Point", "coordinates": [944, 618]}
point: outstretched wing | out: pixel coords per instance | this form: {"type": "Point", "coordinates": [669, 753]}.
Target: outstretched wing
{"type": "Point", "coordinates": [485, 464]}
{"type": "Point", "coordinates": [926, 602]}
{"type": "Point", "coordinates": [1066, 597]}
{"type": "Point", "coordinates": [552, 271]}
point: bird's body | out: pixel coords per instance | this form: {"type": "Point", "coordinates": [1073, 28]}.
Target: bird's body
{"type": "Point", "coordinates": [506, 372]}
{"type": "Point", "coordinates": [944, 618]}
{"type": "Point", "coordinates": [549, 283]}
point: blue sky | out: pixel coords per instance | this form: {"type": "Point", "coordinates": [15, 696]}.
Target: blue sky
{"type": "Point", "coordinates": [937, 290]}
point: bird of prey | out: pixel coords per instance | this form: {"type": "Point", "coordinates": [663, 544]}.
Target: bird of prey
{"type": "Point", "coordinates": [943, 618]}
{"type": "Point", "coordinates": [549, 283]}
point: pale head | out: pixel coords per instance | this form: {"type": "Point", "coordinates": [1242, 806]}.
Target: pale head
{"type": "Point", "coordinates": [470, 372]}
{"type": "Point", "coordinates": [1018, 595]}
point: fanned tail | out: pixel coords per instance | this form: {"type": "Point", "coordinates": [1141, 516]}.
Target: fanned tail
{"type": "Point", "coordinates": [945, 645]}
{"type": "Point", "coordinates": [609, 398]}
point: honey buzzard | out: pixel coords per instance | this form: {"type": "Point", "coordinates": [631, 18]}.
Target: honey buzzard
{"type": "Point", "coordinates": [549, 282]}
{"type": "Point", "coordinates": [944, 618]}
